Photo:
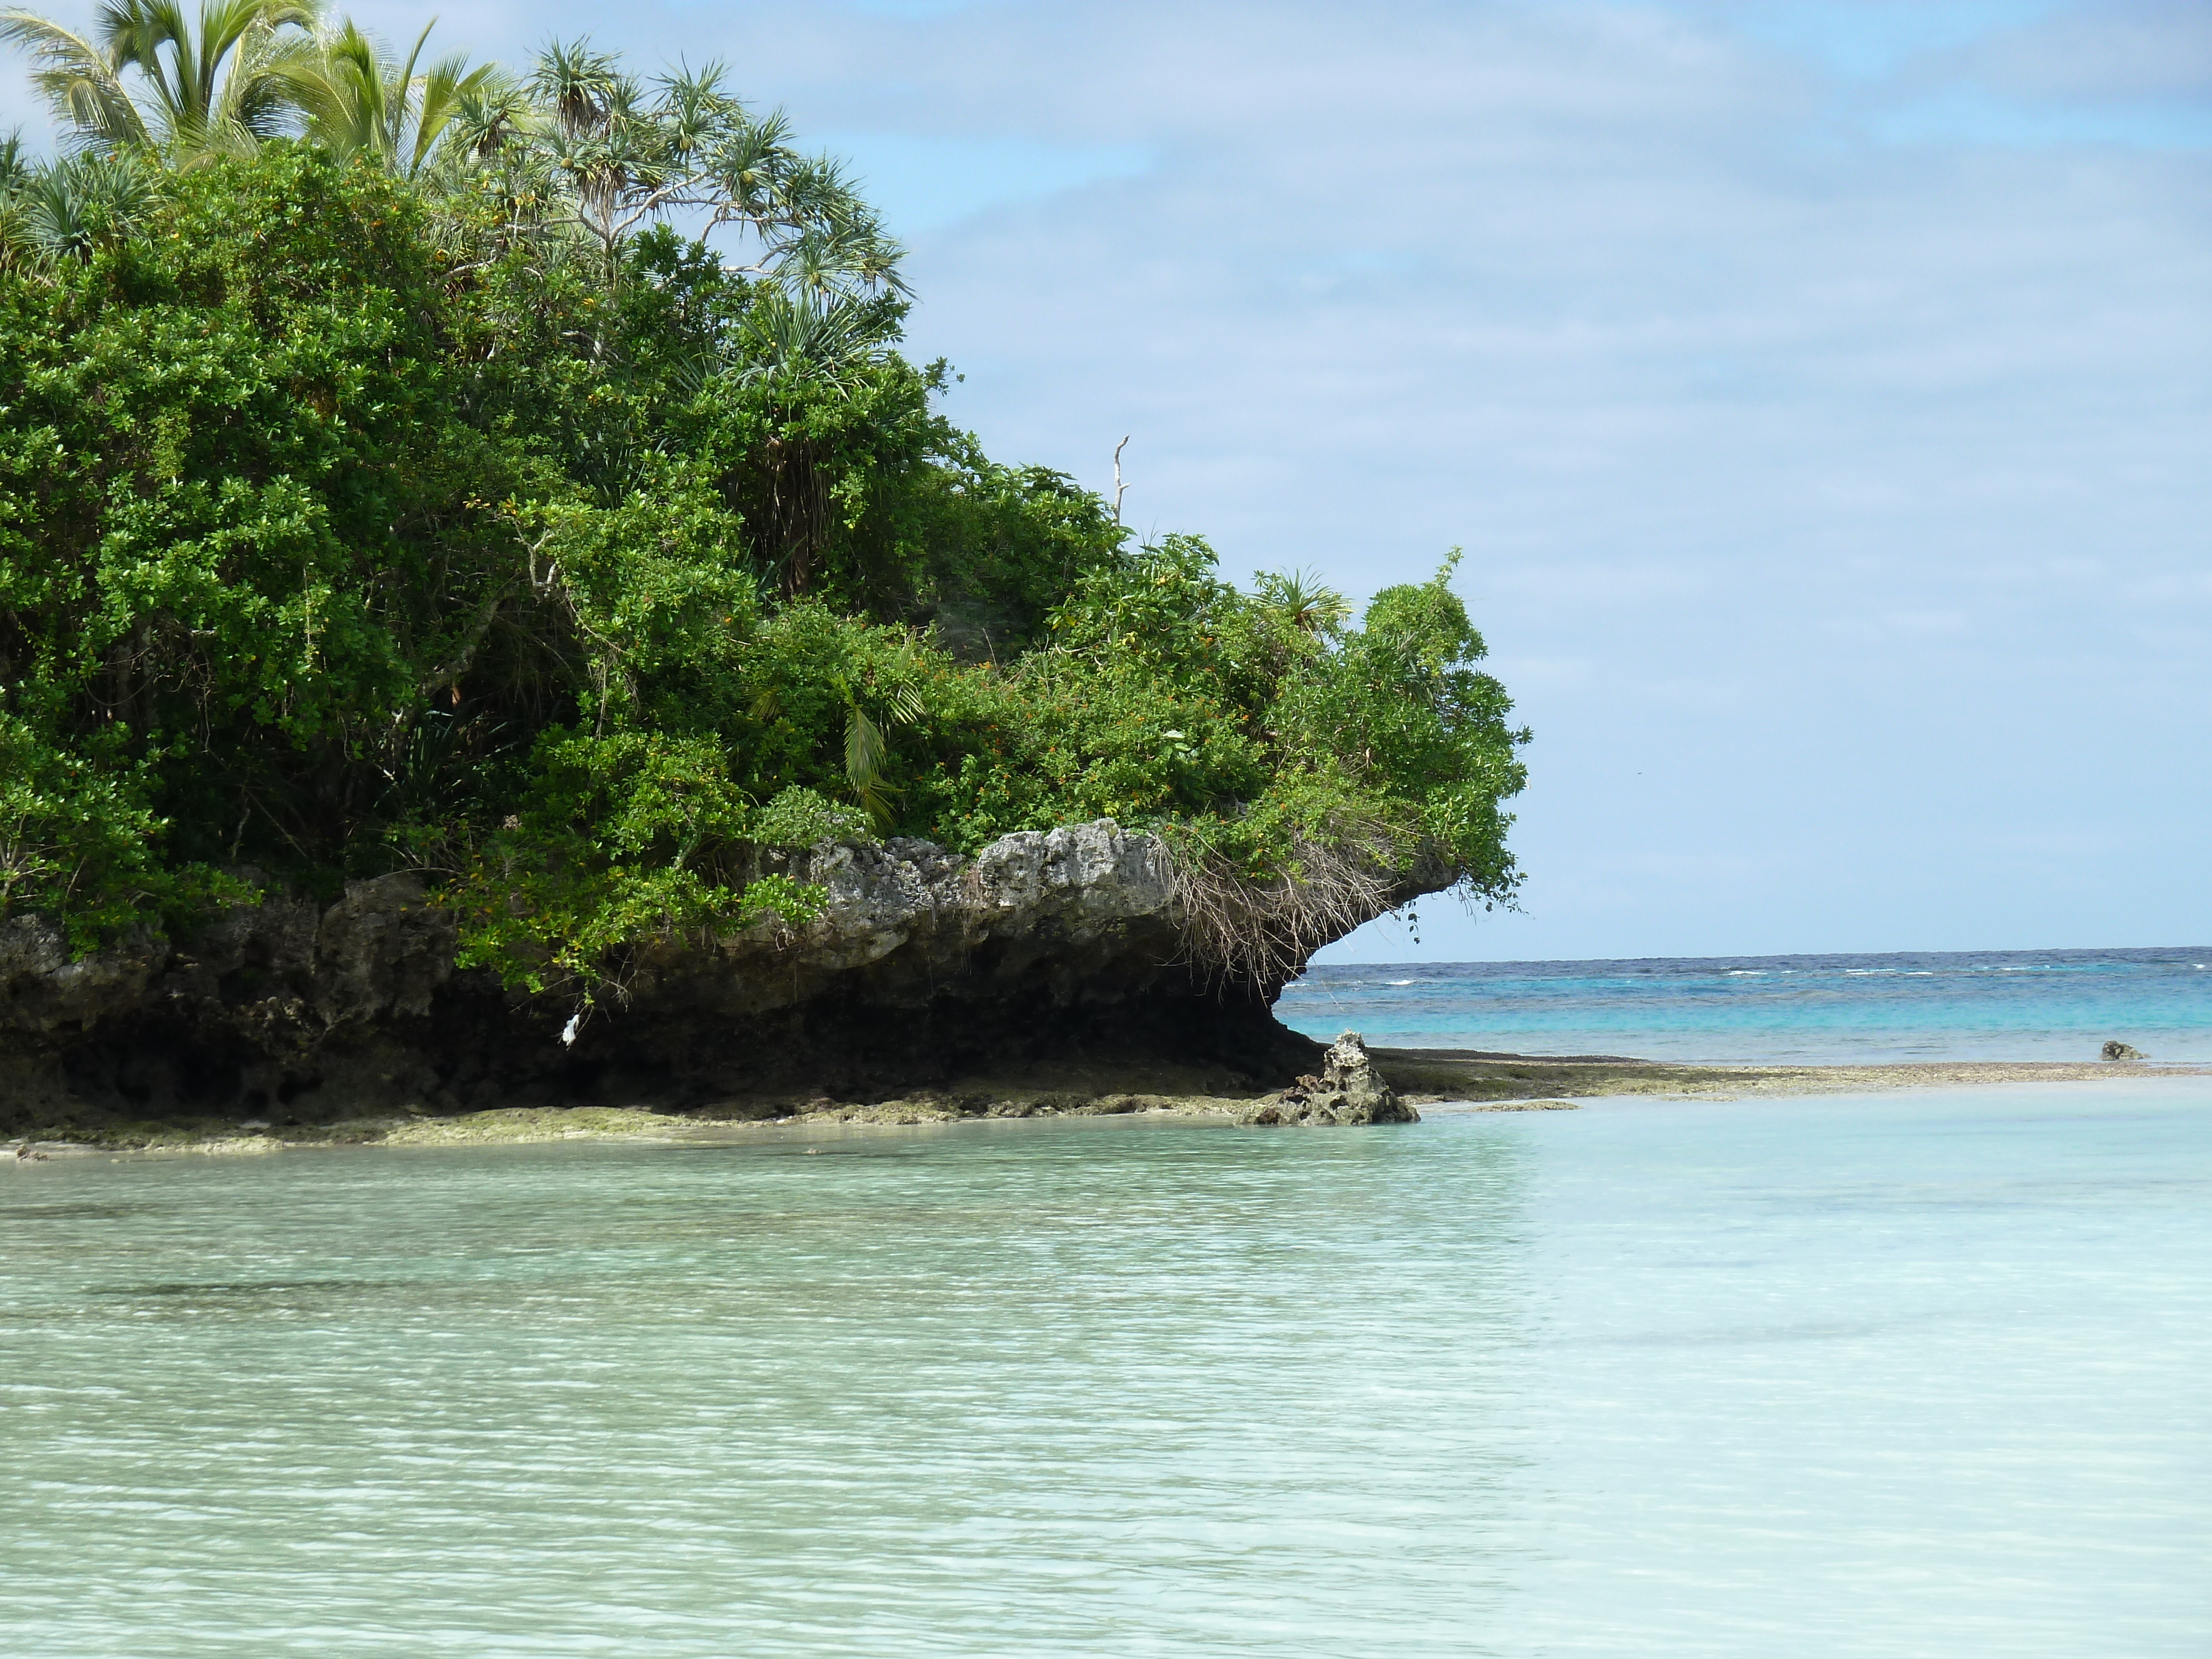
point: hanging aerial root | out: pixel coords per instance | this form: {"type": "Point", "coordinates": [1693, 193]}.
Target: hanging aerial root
{"type": "Point", "coordinates": [1262, 932]}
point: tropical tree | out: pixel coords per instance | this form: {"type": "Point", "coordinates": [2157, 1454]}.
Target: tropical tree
{"type": "Point", "coordinates": [827, 340]}
{"type": "Point", "coordinates": [619, 154]}
{"type": "Point", "coordinates": [358, 102]}
{"type": "Point", "coordinates": [201, 86]}
{"type": "Point", "coordinates": [16, 176]}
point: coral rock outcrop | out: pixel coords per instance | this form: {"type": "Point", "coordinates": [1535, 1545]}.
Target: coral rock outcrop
{"type": "Point", "coordinates": [1348, 1089]}
{"type": "Point", "coordinates": [922, 964]}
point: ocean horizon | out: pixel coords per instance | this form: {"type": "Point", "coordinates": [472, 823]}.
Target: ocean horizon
{"type": "Point", "coordinates": [1815, 1009]}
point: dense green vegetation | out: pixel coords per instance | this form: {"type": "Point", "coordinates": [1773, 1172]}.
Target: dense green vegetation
{"type": "Point", "coordinates": [385, 482]}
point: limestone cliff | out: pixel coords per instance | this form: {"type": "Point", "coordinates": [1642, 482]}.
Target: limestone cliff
{"type": "Point", "coordinates": [923, 964]}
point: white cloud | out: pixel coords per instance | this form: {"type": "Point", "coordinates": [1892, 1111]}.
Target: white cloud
{"type": "Point", "coordinates": [922, 184]}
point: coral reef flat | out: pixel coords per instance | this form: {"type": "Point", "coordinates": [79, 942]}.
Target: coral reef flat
{"type": "Point", "coordinates": [1439, 1079]}
{"type": "Point", "coordinates": [1429, 1075]}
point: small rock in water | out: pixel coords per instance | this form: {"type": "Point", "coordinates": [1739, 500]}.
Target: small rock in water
{"type": "Point", "coordinates": [2116, 1050]}
{"type": "Point", "coordinates": [1348, 1090]}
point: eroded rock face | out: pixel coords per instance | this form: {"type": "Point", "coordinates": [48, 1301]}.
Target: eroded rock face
{"type": "Point", "coordinates": [1086, 907]}
{"type": "Point", "coordinates": [923, 964]}
{"type": "Point", "coordinates": [2116, 1050]}
{"type": "Point", "coordinates": [1348, 1089]}
{"type": "Point", "coordinates": [240, 1015]}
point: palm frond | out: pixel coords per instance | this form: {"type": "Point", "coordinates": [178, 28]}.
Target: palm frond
{"type": "Point", "coordinates": [17, 250]}
{"type": "Point", "coordinates": [864, 750]}
{"type": "Point", "coordinates": [448, 83]}
{"type": "Point", "coordinates": [204, 85]}
{"type": "Point", "coordinates": [490, 111]}
{"type": "Point", "coordinates": [358, 100]}
{"type": "Point", "coordinates": [81, 82]}
{"type": "Point", "coordinates": [576, 83]}
{"type": "Point", "coordinates": [16, 171]}
{"type": "Point", "coordinates": [827, 338]}
{"type": "Point", "coordinates": [1301, 598]}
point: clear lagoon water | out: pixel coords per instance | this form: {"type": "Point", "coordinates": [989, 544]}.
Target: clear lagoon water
{"type": "Point", "coordinates": [1983, 1005]}
{"type": "Point", "coordinates": [1904, 1374]}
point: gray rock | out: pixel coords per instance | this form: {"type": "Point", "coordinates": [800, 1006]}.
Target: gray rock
{"type": "Point", "coordinates": [1348, 1089]}
{"type": "Point", "coordinates": [41, 988]}
{"type": "Point", "coordinates": [283, 969]}
{"type": "Point", "coordinates": [2116, 1050]}
{"type": "Point", "coordinates": [927, 911]}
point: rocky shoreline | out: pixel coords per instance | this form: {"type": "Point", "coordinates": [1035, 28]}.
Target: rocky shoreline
{"type": "Point", "coordinates": [1046, 977]}
{"type": "Point", "coordinates": [1452, 1080]}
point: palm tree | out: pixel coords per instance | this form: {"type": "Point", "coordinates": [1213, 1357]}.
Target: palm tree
{"type": "Point", "coordinates": [205, 86]}
{"type": "Point", "coordinates": [358, 102]}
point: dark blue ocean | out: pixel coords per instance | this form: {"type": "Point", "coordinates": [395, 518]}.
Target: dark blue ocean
{"type": "Point", "coordinates": [1961, 1004]}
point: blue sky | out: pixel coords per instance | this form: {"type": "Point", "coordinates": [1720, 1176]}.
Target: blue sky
{"type": "Point", "coordinates": [1822, 393]}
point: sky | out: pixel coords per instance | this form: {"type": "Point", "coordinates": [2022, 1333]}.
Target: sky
{"type": "Point", "coordinates": [1822, 391]}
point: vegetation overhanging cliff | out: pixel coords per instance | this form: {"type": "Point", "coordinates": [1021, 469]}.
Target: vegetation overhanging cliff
{"type": "Point", "coordinates": [919, 968]}
{"type": "Point", "coordinates": [392, 494]}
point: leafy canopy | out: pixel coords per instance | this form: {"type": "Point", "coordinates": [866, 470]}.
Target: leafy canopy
{"type": "Point", "coordinates": [371, 501]}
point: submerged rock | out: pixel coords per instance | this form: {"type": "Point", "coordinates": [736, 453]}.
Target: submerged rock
{"type": "Point", "coordinates": [923, 965]}
{"type": "Point", "coordinates": [2116, 1050]}
{"type": "Point", "coordinates": [1348, 1089]}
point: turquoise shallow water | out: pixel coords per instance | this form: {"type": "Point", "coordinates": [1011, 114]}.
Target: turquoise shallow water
{"type": "Point", "coordinates": [1903, 1375]}
{"type": "Point", "coordinates": [1842, 1009]}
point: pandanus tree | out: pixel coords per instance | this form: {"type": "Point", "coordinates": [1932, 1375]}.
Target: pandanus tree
{"type": "Point", "coordinates": [149, 78]}
{"type": "Point", "coordinates": [585, 152]}
{"type": "Point", "coordinates": [798, 352]}
{"type": "Point", "coordinates": [67, 209]}
{"type": "Point", "coordinates": [621, 154]}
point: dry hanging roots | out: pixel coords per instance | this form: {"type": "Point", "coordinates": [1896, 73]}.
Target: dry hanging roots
{"type": "Point", "coordinates": [1262, 932]}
